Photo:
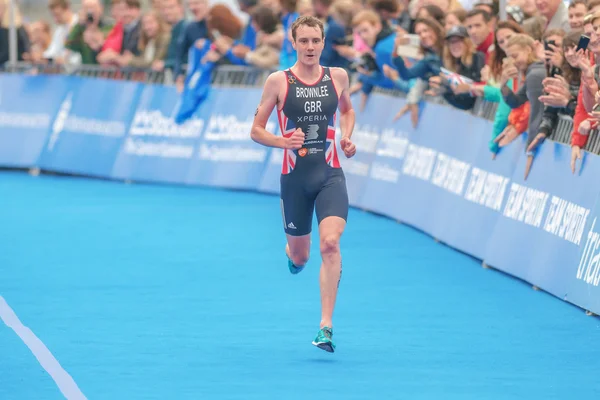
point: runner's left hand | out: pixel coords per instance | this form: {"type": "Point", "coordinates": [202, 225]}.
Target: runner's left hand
{"type": "Point", "coordinates": [348, 147]}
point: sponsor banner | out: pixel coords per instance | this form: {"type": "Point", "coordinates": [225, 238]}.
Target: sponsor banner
{"type": "Point", "coordinates": [545, 221]}
{"type": "Point", "coordinates": [90, 125]}
{"type": "Point", "coordinates": [467, 227]}
{"type": "Point", "coordinates": [270, 180]}
{"type": "Point", "coordinates": [439, 177]}
{"type": "Point", "coordinates": [366, 137]}
{"type": "Point", "coordinates": [391, 139]}
{"type": "Point", "coordinates": [470, 186]}
{"type": "Point", "coordinates": [28, 105]}
{"type": "Point", "coordinates": [155, 147]}
{"type": "Point", "coordinates": [227, 156]}
{"type": "Point", "coordinates": [583, 275]}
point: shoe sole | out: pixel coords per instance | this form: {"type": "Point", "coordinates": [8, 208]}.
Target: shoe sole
{"type": "Point", "coordinates": [293, 269]}
{"type": "Point", "coordinates": [296, 270]}
{"type": "Point", "coordinates": [324, 346]}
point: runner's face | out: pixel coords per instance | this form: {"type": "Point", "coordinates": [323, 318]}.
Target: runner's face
{"type": "Point", "coordinates": [308, 44]}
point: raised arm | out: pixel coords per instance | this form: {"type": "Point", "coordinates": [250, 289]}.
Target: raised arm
{"type": "Point", "coordinates": [268, 102]}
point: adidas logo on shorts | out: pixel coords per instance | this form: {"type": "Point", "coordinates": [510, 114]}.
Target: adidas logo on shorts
{"type": "Point", "coordinates": [291, 225]}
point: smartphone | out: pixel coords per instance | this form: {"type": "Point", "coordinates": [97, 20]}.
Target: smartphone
{"type": "Point", "coordinates": [583, 43]}
{"type": "Point", "coordinates": [215, 34]}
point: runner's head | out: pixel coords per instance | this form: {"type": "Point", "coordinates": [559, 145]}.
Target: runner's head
{"type": "Point", "coordinates": [308, 39]}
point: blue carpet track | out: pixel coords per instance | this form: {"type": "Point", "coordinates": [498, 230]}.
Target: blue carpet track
{"type": "Point", "coordinates": [165, 292]}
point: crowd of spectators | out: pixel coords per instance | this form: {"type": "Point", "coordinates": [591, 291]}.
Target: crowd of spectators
{"type": "Point", "coordinates": [537, 64]}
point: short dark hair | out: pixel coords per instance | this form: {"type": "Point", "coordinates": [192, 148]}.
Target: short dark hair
{"type": "Point", "coordinates": [574, 3]}
{"type": "Point", "coordinates": [478, 11]}
{"type": "Point", "coordinates": [309, 21]}
{"type": "Point", "coordinates": [133, 4]}
{"type": "Point", "coordinates": [265, 18]}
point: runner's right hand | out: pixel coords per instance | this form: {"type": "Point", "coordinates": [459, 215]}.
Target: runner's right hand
{"type": "Point", "coordinates": [295, 141]}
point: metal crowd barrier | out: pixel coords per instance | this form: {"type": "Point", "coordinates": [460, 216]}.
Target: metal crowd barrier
{"type": "Point", "coordinates": [243, 76]}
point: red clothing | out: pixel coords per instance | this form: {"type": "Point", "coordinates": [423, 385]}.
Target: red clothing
{"type": "Point", "coordinates": [519, 117]}
{"type": "Point", "coordinates": [581, 114]}
{"type": "Point", "coordinates": [487, 46]}
{"type": "Point", "coordinates": [114, 39]}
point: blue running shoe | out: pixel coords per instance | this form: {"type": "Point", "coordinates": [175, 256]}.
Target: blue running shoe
{"type": "Point", "coordinates": [293, 269]}
{"type": "Point", "coordinates": [324, 340]}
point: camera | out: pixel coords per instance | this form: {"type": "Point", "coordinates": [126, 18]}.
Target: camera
{"type": "Point", "coordinates": [367, 62]}
{"type": "Point", "coordinates": [90, 18]}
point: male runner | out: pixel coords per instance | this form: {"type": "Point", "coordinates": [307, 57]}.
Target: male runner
{"type": "Point", "coordinates": [307, 97]}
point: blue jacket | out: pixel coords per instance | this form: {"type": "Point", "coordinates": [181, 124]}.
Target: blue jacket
{"type": "Point", "coordinates": [334, 35]}
{"type": "Point", "coordinates": [248, 39]}
{"type": "Point", "coordinates": [197, 83]}
{"type": "Point", "coordinates": [430, 65]}
{"type": "Point", "coordinates": [383, 55]}
{"type": "Point", "coordinates": [287, 55]}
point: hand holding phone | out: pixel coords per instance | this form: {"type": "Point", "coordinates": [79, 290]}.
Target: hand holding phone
{"type": "Point", "coordinates": [583, 43]}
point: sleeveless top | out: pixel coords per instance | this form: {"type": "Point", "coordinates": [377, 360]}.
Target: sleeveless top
{"type": "Point", "coordinates": [313, 109]}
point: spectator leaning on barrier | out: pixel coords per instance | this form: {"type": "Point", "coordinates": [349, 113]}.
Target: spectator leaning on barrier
{"type": "Point", "coordinates": [337, 24]}
{"type": "Point", "coordinates": [172, 12]}
{"type": "Point", "coordinates": [586, 62]}
{"type": "Point", "coordinates": [522, 59]}
{"type": "Point", "coordinates": [561, 90]}
{"type": "Point", "coordinates": [204, 56]}
{"type": "Point", "coordinates": [153, 43]}
{"type": "Point", "coordinates": [367, 24]}
{"type": "Point", "coordinates": [491, 91]}
{"type": "Point", "coordinates": [125, 35]}
{"type": "Point", "coordinates": [87, 37]}
{"type": "Point", "coordinates": [459, 57]}
{"type": "Point", "coordinates": [40, 36]}
{"type": "Point", "coordinates": [238, 52]}
{"type": "Point", "coordinates": [65, 20]}
{"type": "Point", "coordinates": [576, 12]}
{"type": "Point", "coordinates": [193, 31]}
{"type": "Point", "coordinates": [431, 36]}
{"type": "Point", "coordinates": [479, 24]}
{"type": "Point", "coordinates": [287, 55]}
{"type": "Point", "coordinates": [266, 54]}
{"type": "Point", "coordinates": [223, 26]}
{"type": "Point", "coordinates": [23, 44]}
{"type": "Point", "coordinates": [132, 26]}
{"type": "Point", "coordinates": [553, 40]}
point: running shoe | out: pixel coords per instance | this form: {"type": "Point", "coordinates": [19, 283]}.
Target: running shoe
{"type": "Point", "coordinates": [293, 269]}
{"type": "Point", "coordinates": [324, 340]}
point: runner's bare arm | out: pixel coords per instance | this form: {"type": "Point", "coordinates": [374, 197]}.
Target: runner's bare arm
{"type": "Point", "coordinates": [264, 110]}
{"type": "Point", "coordinates": [347, 116]}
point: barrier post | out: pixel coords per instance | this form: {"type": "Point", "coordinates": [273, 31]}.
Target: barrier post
{"type": "Point", "coordinates": [12, 34]}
